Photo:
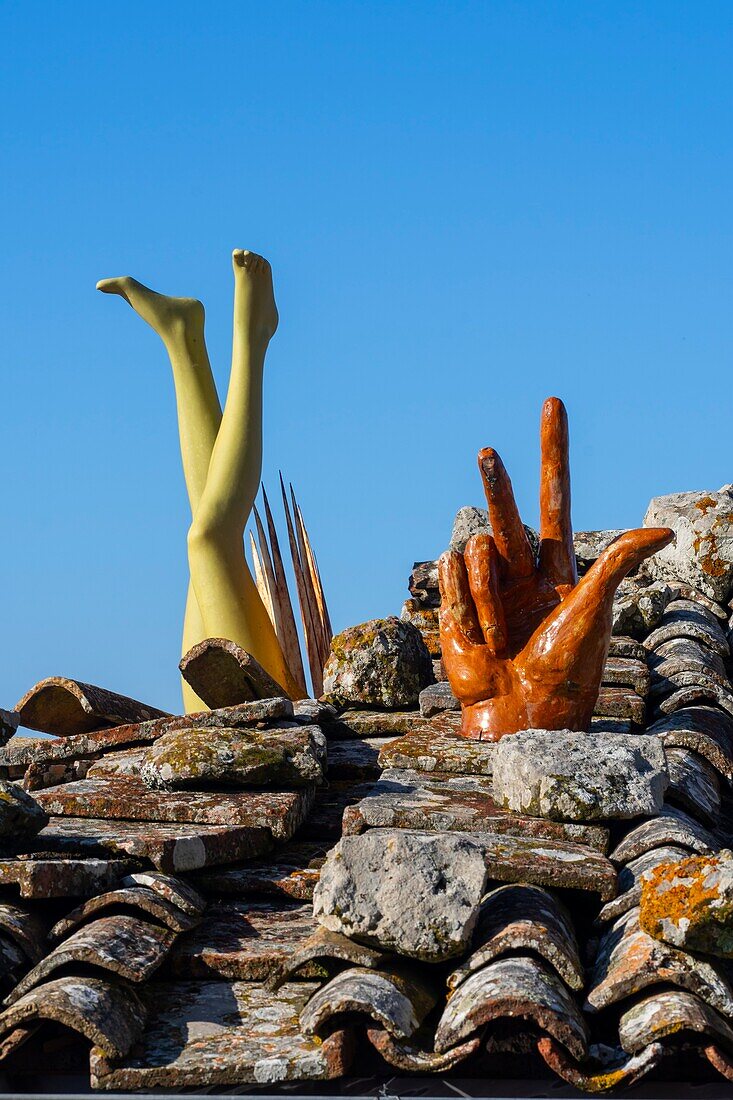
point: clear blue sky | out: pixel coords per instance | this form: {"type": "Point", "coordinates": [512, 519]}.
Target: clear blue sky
{"type": "Point", "coordinates": [468, 206]}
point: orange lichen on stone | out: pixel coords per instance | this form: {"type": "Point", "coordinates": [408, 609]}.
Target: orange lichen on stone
{"type": "Point", "coordinates": [690, 903]}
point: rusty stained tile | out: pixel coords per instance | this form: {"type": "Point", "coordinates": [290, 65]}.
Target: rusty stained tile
{"type": "Point", "coordinates": [406, 799]}
{"type": "Point", "coordinates": [28, 750]}
{"type": "Point", "coordinates": [425, 751]}
{"type": "Point", "coordinates": [325, 949]}
{"type": "Point", "coordinates": [693, 784]}
{"type": "Point", "coordinates": [291, 872]}
{"type": "Point", "coordinates": [553, 863]}
{"type": "Point", "coordinates": [411, 1059]}
{"type": "Point", "coordinates": [672, 826]}
{"type": "Point", "coordinates": [628, 960]}
{"type": "Point", "coordinates": [629, 879]}
{"type": "Point", "coordinates": [140, 898]}
{"type": "Point", "coordinates": [685, 619]}
{"type": "Point", "coordinates": [671, 1013]}
{"type": "Point", "coordinates": [523, 918]}
{"type": "Point", "coordinates": [514, 987]}
{"type": "Point", "coordinates": [110, 1016]}
{"type": "Point", "coordinates": [395, 998]}
{"type": "Point", "coordinates": [605, 1068]}
{"type": "Point", "coordinates": [620, 702]}
{"type": "Point", "coordinates": [127, 799]}
{"type": "Point", "coordinates": [324, 822]}
{"type": "Point", "coordinates": [627, 672]}
{"type": "Point", "coordinates": [357, 758]}
{"type": "Point", "coordinates": [223, 674]}
{"type": "Point", "coordinates": [243, 940]}
{"type": "Point", "coordinates": [57, 876]}
{"type": "Point", "coordinates": [126, 946]}
{"type": "Point", "coordinates": [61, 706]}
{"type": "Point", "coordinates": [203, 1034]}
{"type": "Point", "coordinates": [174, 890]}
{"type": "Point", "coordinates": [720, 1059]}
{"type": "Point", "coordinates": [170, 848]}
{"type": "Point", "coordinates": [705, 730]}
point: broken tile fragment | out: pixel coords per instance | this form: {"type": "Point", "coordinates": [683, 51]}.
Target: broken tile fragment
{"type": "Point", "coordinates": [174, 890]}
{"type": "Point", "coordinates": [366, 880]}
{"type": "Point", "coordinates": [620, 702]}
{"type": "Point", "coordinates": [20, 815]}
{"type": "Point", "coordinates": [569, 776]}
{"type": "Point", "coordinates": [523, 918]}
{"type": "Point", "coordinates": [436, 698]}
{"type": "Point", "coordinates": [25, 928]}
{"type": "Point", "coordinates": [109, 1015]}
{"type": "Point", "coordinates": [243, 940]}
{"type": "Point", "coordinates": [223, 674]}
{"type": "Point", "coordinates": [605, 1068]}
{"type": "Point", "coordinates": [522, 987]}
{"type": "Point", "coordinates": [629, 960]}
{"type": "Point", "coordinates": [292, 872]}
{"type": "Point", "coordinates": [294, 757]}
{"type": "Point", "coordinates": [409, 1058]}
{"type": "Point", "coordinates": [61, 706]}
{"type": "Point", "coordinates": [689, 903]}
{"type": "Point", "coordinates": [204, 1034]}
{"type": "Point", "coordinates": [392, 997]}
{"type": "Point", "coordinates": [408, 799]}
{"type": "Point", "coordinates": [127, 798]}
{"type": "Point", "coordinates": [127, 946]}
{"type": "Point", "coordinates": [169, 847]}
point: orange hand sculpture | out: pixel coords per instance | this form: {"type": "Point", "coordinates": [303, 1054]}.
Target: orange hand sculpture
{"type": "Point", "coordinates": [524, 642]}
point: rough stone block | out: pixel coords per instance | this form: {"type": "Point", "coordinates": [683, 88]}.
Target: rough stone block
{"type": "Point", "coordinates": [579, 776]}
{"type": "Point", "coordinates": [702, 554]}
{"type": "Point", "coordinates": [381, 663]}
{"type": "Point", "coordinates": [689, 903]}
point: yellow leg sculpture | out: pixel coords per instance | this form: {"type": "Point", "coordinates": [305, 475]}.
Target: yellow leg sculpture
{"type": "Point", "coordinates": [180, 324]}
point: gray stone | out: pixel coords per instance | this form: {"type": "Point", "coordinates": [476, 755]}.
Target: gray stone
{"type": "Point", "coordinates": [436, 698]}
{"type": "Point", "coordinates": [579, 776]}
{"type": "Point", "coordinates": [702, 554]}
{"type": "Point", "coordinates": [381, 663]}
{"type": "Point", "coordinates": [638, 606]}
{"type": "Point", "coordinates": [469, 521]}
{"type": "Point", "coordinates": [689, 903]}
{"type": "Point", "coordinates": [20, 815]}
{"type": "Point", "coordinates": [413, 893]}
{"type": "Point", "coordinates": [236, 758]}
{"type": "Point", "coordinates": [589, 545]}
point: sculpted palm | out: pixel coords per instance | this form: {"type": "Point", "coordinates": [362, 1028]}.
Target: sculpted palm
{"type": "Point", "coordinates": [523, 641]}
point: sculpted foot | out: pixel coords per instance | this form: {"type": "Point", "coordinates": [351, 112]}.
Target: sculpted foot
{"type": "Point", "coordinates": [171, 318]}
{"type": "Point", "coordinates": [255, 303]}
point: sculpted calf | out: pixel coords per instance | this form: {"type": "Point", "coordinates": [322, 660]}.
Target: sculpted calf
{"type": "Point", "coordinates": [523, 641]}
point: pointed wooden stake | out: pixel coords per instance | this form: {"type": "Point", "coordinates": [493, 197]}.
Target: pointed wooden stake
{"type": "Point", "coordinates": [282, 605]}
{"type": "Point", "coordinates": [313, 587]}
{"type": "Point", "coordinates": [310, 623]}
{"type": "Point", "coordinates": [261, 582]}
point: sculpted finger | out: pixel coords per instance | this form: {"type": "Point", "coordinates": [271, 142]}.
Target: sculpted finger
{"type": "Point", "coordinates": [517, 559]}
{"type": "Point", "coordinates": [482, 567]}
{"type": "Point", "coordinates": [557, 555]}
{"type": "Point", "coordinates": [456, 596]}
{"type": "Point", "coordinates": [578, 630]}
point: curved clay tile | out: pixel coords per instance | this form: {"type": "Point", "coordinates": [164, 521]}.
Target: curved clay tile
{"type": "Point", "coordinates": [411, 1059]}
{"type": "Point", "coordinates": [688, 619]}
{"type": "Point", "coordinates": [24, 928]}
{"type": "Point", "coordinates": [131, 897]}
{"type": "Point", "coordinates": [706, 730]}
{"type": "Point", "coordinates": [391, 998]}
{"type": "Point", "coordinates": [62, 707]}
{"type": "Point", "coordinates": [629, 960]}
{"type": "Point", "coordinates": [629, 879]}
{"type": "Point", "coordinates": [523, 918]}
{"type": "Point", "coordinates": [325, 947]}
{"type": "Point", "coordinates": [672, 826]}
{"type": "Point", "coordinates": [520, 987]}
{"type": "Point", "coordinates": [599, 1074]}
{"type": "Point", "coordinates": [669, 1013]}
{"type": "Point", "coordinates": [109, 1016]}
{"type": "Point", "coordinates": [693, 784]}
{"type": "Point", "coordinates": [223, 674]}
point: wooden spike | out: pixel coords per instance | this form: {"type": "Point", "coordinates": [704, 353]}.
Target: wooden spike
{"type": "Point", "coordinates": [323, 644]}
{"type": "Point", "coordinates": [316, 575]}
{"type": "Point", "coordinates": [310, 627]}
{"type": "Point", "coordinates": [289, 642]}
{"type": "Point", "coordinates": [261, 581]}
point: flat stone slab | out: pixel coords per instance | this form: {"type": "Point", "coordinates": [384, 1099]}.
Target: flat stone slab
{"type": "Point", "coordinates": [43, 877]}
{"type": "Point", "coordinates": [169, 847]}
{"type": "Point", "coordinates": [223, 674]}
{"type": "Point", "coordinates": [366, 882]}
{"type": "Point", "coordinates": [405, 799]}
{"type": "Point", "coordinates": [560, 865]}
{"type": "Point", "coordinates": [620, 702]}
{"type": "Point", "coordinates": [627, 672]}
{"type": "Point", "coordinates": [127, 798]}
{"type": "Point", "coordinates": [23, 751]}
{"type": "Point", "coordinates": [689, 903]}
{"type": "Point", "coordinates": [425, 751]}
{"type": "Point", "coordinates": [203, 1034]}
{"type": "Point", "coordinates": [578, 776]}
{"type": "Point", "coordinates": [194, 758]}
{"type": "Point", "coordinates": [375, 723]}
{"type": "Point", "coordinates": [324, 820]}
{"type": "Point", "coordinates": [357, 758]}
{"type": "Point", "coordinates": [291, 872]}
{"type": "Point", "coordinates": [61, 706]}
{"type": "Point", "coordinates": [436, 698]}
{"type": "Point", "coordinates": [244, 941]}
